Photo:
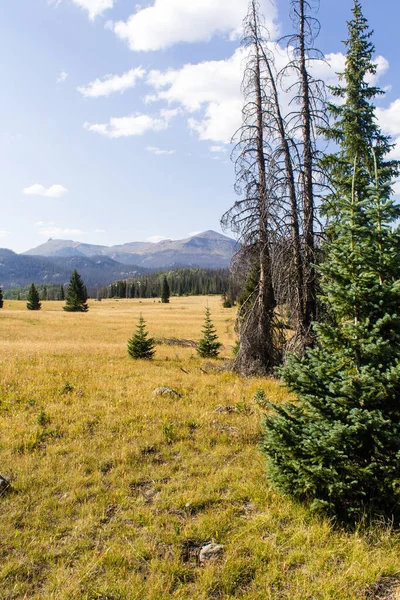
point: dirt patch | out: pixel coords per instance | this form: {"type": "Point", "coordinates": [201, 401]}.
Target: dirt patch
{"type": "Point", "coordinates": [387, 588]}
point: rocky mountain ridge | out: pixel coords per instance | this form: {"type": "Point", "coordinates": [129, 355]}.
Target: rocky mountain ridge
{"type": "Point", "coordinates": [53, 261]}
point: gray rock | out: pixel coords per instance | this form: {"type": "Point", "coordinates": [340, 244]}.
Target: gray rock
{"type": "Point", "coordinates": [4, 484]}
{"type": "Point", "coordinates": [210, 552]}
{"type": "Point", "coordinates": [166, 391]}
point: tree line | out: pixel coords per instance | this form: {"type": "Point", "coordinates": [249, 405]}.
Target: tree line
{"type": "Point", "coordinates": [181, 282]}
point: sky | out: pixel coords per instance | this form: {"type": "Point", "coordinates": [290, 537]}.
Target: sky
{"type": "Point", "coordinates": [116, 116]}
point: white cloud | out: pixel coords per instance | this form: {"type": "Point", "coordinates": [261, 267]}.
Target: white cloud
{"type": "Point", "coordinates": [62, 77]}
{"type": "Point", "coordinates": [211, 86]}
{"type": "Point", "coordinates": [93, 7]}
{"type": "Point", "coordinates": [54, 191]}
{"type": "Point", "coordinates": [210, 92]}
{"type": "Point", "coordinates": [133, 125]}
{"type": "Point", "coordinates": [154, 239]}
{"type": "Point", "coordinates": [168, 22]}
{"type": "Point", "coordinates": [59, 232]}
{"type": "Point", "coordinates": [111, 84]}
{"type": "Point", "coordinates": [389, 118]}
{"type": "Point", "coordinates": [158, 151]}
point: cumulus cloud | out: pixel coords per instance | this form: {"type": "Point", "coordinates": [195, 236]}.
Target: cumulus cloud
{"type": "Point", "coordinates": [212, 87]}
{"type": "Point", "coordinates": [168, 22]}
{"type": "Point", "coordinates": [158, 151]}
{"type": "Point", "coordinates": [110, 84]}
{"type": "Point", "coordinates": [210, 92]}
{"type": "Point", "coordinates": [389, 118]}
{"type": "Point", "coordinates": [133, 125]}
{"type": "Point", "coordinates": [62, 77]}
{"type": "Point", "coordinates": [94, 7]}
{"type": "Point", "coordinates": [54, 191]}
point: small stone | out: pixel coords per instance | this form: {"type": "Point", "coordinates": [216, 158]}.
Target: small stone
{"type": "Point", "coordinates": [166, 391]}
{"type": "Point", "coordinates": [225, 409]}
{"type": "Point", "coordinates": [210, 552]}
{"type": "Point", "coordinates": [4, 484]}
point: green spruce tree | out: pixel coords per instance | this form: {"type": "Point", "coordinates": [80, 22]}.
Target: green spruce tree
{"type": "Point", "coordinates": [62, 293]}
{"type": "Point", "coordinates": [338, 447]}
{"type": "Point", "coordinates": [1, 298]}
{"type": "Point", "coordinates": [165, 293]}
{"type": "Point", "coordinates": [209, 345]}
{"type": "Point", "coordinates": [33, 299]}
{"type": "Point", "coordinates": [140, 345]}
{"type": "Point", "coordinates": [76, 298]}
{"type": "Point", "coordinates": [353, 126]}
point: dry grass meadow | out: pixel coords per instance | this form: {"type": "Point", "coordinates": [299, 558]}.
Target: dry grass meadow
{"type": "Point", "coordinates": [114, 490]}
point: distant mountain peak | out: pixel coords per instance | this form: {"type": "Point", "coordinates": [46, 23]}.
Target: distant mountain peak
{"type": "Point", "coordinates": [207, 249]}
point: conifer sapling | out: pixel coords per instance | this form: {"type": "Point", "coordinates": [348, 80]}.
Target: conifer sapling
{"type": "Point", "coordinates": [165, 292]}
{"type": "Point", "coordinates": [33, 302]}
{"type": "Point", "coordinates": [209, 345]}
{"type": "Point", "coordinates": [140, 346]}
{"type": "Point", "coordinates": [76, 295]}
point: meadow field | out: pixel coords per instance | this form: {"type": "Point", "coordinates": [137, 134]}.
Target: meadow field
{"type": "Point", "coordinates": [115, 490]}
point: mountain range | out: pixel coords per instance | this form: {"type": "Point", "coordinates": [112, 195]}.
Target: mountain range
{"type": "Point", "coordinates": [53, 261]}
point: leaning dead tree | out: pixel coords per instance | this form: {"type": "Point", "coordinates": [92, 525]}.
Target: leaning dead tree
{"type": "Point", "coordinates": [252, 217]}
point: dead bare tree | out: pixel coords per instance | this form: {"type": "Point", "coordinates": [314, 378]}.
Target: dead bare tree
{"type": "Point", "coordinates": [253, 216]}
{"type": "Point", "coordinates": [276, 176]}
{"type": "Point", "coordinates": [308, 113]}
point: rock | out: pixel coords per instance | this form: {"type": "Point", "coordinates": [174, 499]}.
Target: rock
{"type": "Point", "coordinates": [4, 484]}
{"type": "Point", "coordinates": [210, 552]}
{"type": "Point", "coordinates": [226, 409]}
{"type": "Point", "coordinates": [166, 391]}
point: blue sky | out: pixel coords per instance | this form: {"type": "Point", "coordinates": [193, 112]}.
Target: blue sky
{"type": "Point", "coordinates": [116, 114]}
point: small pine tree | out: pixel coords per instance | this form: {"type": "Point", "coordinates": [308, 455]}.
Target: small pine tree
{"type": "Point", "coordinates": [165, 293]}
{"type": "Point", "coordinates": [76, 294]}
{"type": "Point", "coordinates": [62, 292]}
{"type": "Point", "coordinates": [140, 345]}
{"type": "Point", "coordinates": [1, 298]}
{"type": "Point", "coordinates": [208, 346]}
{"type": "Point", "coordinates": [33, 299]}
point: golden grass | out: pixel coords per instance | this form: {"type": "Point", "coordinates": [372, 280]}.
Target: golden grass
{"type": "Point", "coordinates": [112, 486]}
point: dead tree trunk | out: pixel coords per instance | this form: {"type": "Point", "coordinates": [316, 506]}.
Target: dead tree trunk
{"type": "Point", "coordinates": [251, 216]}
{"type": "Point", "coordinates": [310, 308]}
